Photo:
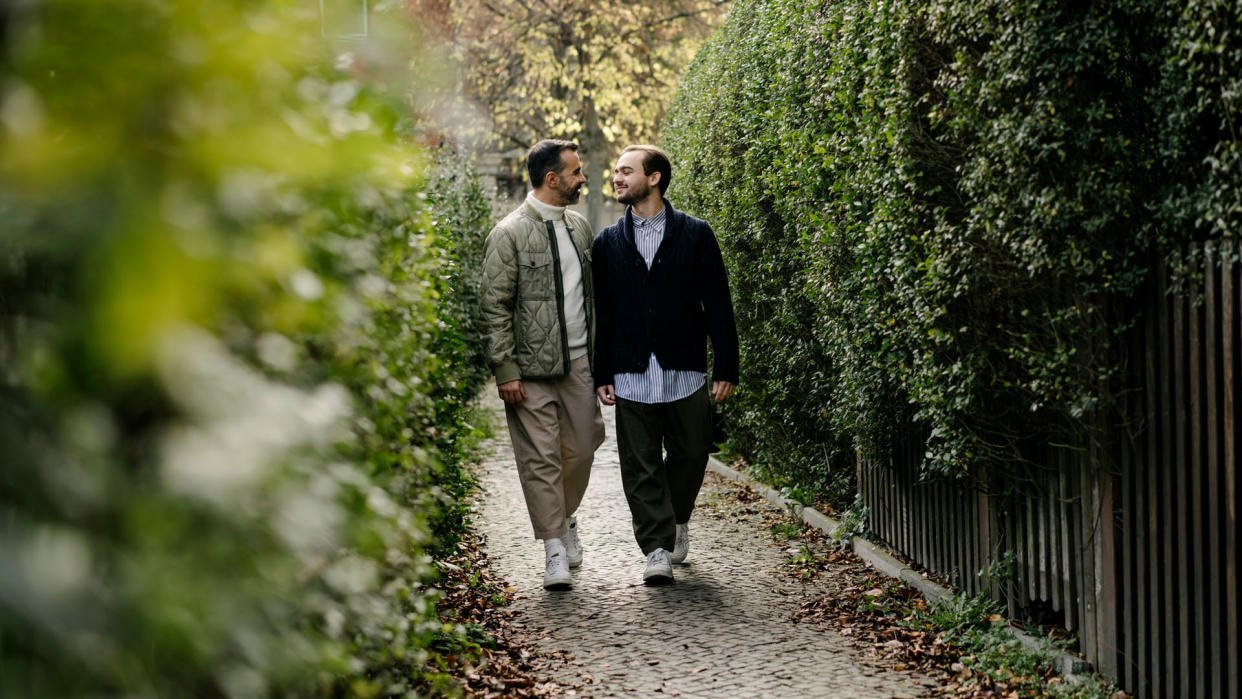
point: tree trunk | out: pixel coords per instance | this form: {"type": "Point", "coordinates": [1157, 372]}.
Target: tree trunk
{"type": "Point", "coordinates": [595, 163]}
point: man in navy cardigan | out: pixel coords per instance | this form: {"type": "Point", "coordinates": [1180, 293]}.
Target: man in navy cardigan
{"type": "Point", "coordinates": [661, 291]}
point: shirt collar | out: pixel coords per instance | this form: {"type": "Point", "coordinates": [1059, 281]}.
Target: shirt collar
{"type": "Point", "coordinates": [653, 221]}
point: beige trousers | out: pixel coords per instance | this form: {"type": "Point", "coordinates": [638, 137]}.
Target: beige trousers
{"type": "Point", "coordinates": [555, 433]}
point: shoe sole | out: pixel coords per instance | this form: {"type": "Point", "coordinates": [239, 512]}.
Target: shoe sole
{"type": "Point", "coordinates": [558, 585]}
{"type": "Point", "coordinates": [575, 564]}
{"type": "Point", "coordinates": [657, 579]}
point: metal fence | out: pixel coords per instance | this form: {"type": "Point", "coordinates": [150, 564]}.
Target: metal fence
{"type": "Point", "coordinates": [1133, 543]}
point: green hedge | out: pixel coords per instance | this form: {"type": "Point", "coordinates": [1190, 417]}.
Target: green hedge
{"type": "Point", "coordinates": [234, 398]}
{"type": "Point", "coordinates": [932, 213]}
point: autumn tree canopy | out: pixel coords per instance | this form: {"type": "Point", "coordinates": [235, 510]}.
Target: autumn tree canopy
{"type": "Point", "coordinates": [600, 72]}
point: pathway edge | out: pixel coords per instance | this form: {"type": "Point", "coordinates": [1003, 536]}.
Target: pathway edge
{"type": "Point", "coordinates": [1068, 665]}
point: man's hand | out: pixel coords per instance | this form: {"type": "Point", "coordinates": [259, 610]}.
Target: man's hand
{"type": "Point", "coordinates": [512, 392]}
{"type": "Point", "coordinates": [606, 396]}
{"type": "Point", "coordinates": [722, 389]}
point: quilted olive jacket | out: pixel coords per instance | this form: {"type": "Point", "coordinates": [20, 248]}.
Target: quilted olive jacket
{"type": "Point", "coordinates": [523, 300]}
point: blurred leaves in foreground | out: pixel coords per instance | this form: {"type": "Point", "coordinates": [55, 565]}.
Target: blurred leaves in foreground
{"type": "Point", "coordinates": [232, 401]}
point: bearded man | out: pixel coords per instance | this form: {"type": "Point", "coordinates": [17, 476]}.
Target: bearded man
{"type": "Point", "coordinates": [661, 293]}
{"type": "Point", "coordinates": [538, 323]}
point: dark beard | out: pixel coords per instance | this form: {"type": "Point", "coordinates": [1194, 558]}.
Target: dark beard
{"type": "Point", "coordinates": [635, 195]}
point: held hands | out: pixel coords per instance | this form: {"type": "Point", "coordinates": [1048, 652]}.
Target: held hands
{"type": "Point", "coordinates": [512, 392]}
{"type": "Point", "coordinates": [606, 396]}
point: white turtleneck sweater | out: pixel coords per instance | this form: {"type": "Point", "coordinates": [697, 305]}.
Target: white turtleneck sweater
{"type": "Point", "coordinates": [571, 276]}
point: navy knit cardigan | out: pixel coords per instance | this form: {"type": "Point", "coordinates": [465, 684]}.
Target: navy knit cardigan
{"type": "Point", "coordinates": [670, 310]}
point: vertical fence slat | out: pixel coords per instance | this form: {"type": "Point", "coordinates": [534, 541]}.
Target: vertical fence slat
{"type": "Point", "coordinates": [1015, 587]}
{"type": "Point", "coordinates": [944, 523]}
{"type": "Point", "coordinates": [1151, 573]}
{"type": "Point", "coordinates": [1031, 569]}
{"type": "Point", "coordinates": [1075, 565]}
{"type": "Point", "coordinates": [1231, 308]}
{"type": "Point", "coordinates": [959, 536]}
{"type": "Point", "coordinates": [877, 513]}
{"type": "Point", "coordinates": [1217, 337]}
{"type": "Point", "coordinates": [944, 505]}
{"type": "Point", "coordinates": [1215, 662]}
{"type": "Point", "coordinates": [1107, 613]}
{"type": "Point", "coordinates": [1166, 633]}
{"type": "Point", "coordinates": [1069, 533]}
{"type": "Point", "coordinates": [933, 498]}
{"type": "Point", "coordinates": [1138, 427]}
{"type": "Point", "coordinates": [918, 496]}
{"type": "Point", "coordinates": [960, 540]}
{"type": "Point", "coordinates": [1063, 587]}
{"type": "Point", "coordinates": [1128, 537]}
{"type": "Point", "coordinates": [970, 508]}
{"type": "Point", "coordinates": [1193, 537]}
{"type": "Point", "coordinates": [908, 506]}
{"type": "Point", "coordinates": [1179, 471]}
{"type": "Point", "coordinates": [898, 508]}
{"type": "Point", "coordinates": [927, 504]}
{"type": "Point", "coordinates": [970, 502]}
{"type": "Point", "coordinates": [966, 541]}
{"type": "Point", "coordinates": [949, 544]}
{"type": "Point", "coordinates": [876, 497]}
{"type": "Point", "coordinates": [1081, 564]}
{"type": "Point", "coordinates": [1011, 524]}
{"type": "Point", "coordinates": [1047, 549]}
{"type": "Point", "coordinates": [985, 533]}
{"type": "Point", "coordinates": [897, 493]}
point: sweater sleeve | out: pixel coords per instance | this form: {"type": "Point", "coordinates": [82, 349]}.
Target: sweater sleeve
{"type": "Point", "coordinates": [718, 307]}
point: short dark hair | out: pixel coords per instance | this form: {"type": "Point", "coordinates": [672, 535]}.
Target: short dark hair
{"type": "Point", "coordinates": [655, 160]}
{"type": "Point", "coordinates": [545, 157]}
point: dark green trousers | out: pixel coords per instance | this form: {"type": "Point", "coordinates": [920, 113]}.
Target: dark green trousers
{"type": "Point", "coordinates": [663, 449]}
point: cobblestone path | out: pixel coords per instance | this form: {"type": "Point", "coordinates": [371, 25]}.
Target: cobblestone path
{"type": "Point", "coordinates": [723, 630]}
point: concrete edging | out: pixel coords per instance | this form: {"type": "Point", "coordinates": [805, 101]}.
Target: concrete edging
{"type": "Point", "coordinates": [1068, 665]}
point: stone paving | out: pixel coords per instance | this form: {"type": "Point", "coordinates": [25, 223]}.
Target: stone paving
{"type": "Point", "coordinates": [722, 630]}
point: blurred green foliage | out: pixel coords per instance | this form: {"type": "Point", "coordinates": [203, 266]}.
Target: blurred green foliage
{"type": "Point", "coordinates": [934, 213]}
{"type": "Point", "coordinates": [238, 353]}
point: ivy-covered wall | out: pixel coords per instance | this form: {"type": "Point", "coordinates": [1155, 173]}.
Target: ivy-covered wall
{"type": "Point", "coordinates": [933, 212]}
{"type": "Point", "coordinates": [236, 363]}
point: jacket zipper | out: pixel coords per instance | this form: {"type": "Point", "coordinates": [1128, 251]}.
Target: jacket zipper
{"type": "Point", "coordinates": [560, 291]}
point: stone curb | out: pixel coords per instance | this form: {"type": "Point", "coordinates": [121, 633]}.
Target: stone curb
{"type": "Point", "coordinates": [1069, 666]}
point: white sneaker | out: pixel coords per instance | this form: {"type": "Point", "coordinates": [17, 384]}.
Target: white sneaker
{"type": "Point", "coordinates": [556, 573]}
{"type": "Point", "coordinates": [682, 547]}
{"type": "Point", "coordinates": [573, 545]}
{"type": "Point", "coordinates": [659, 569]}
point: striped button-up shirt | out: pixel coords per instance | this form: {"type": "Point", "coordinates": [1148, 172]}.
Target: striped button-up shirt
{"type": "Point", "coordinates": [656, 385]}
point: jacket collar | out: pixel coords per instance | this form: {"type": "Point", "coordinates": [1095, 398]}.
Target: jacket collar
{"type": "Point", "coordinates": [541, 209]}
{"type": "Point", "coordinates": [530, 212]}
{"type": "Point", "coordinates": [672, 224]}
